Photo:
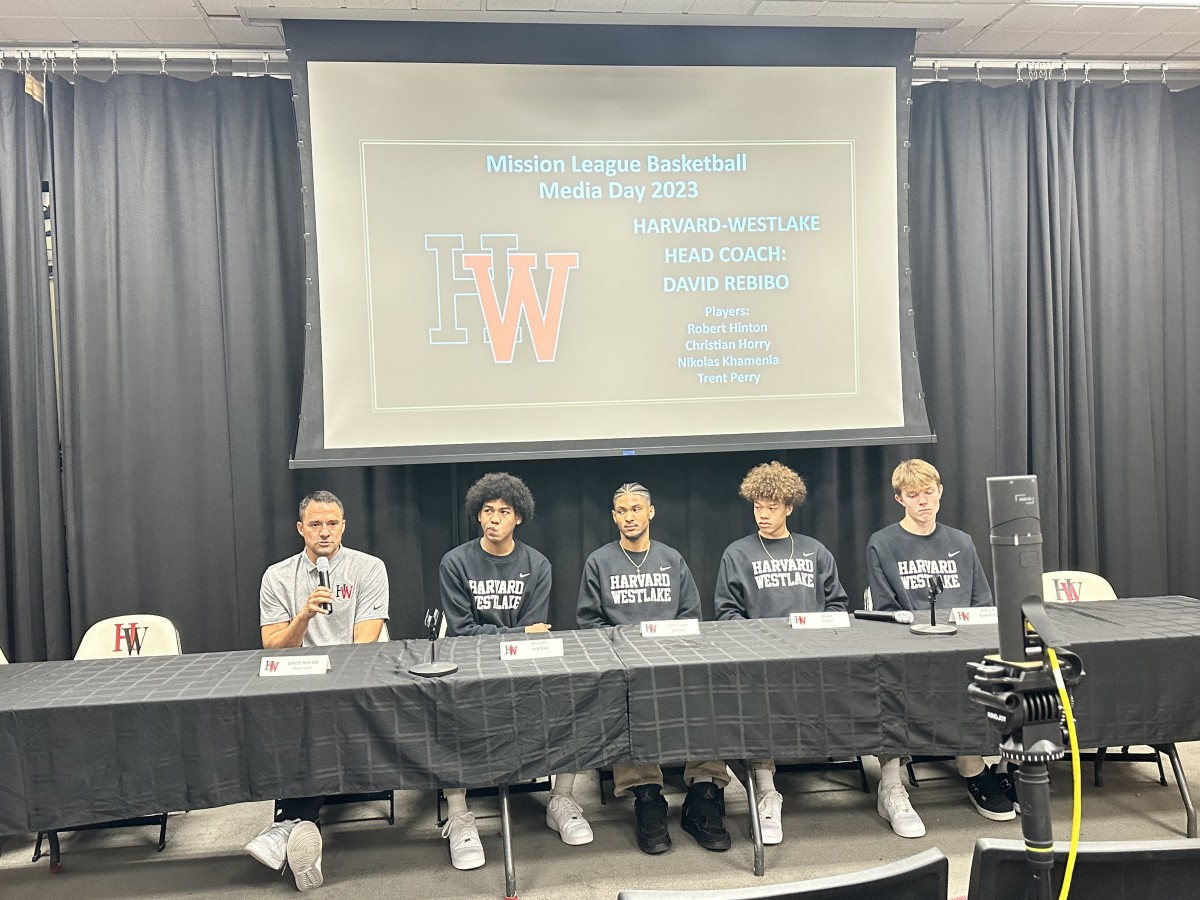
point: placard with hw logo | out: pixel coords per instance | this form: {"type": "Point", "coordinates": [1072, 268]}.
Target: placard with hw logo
{"type": "Point", "coordinates": [294, 665]}
{"type": "Point", "coordinates": [830, 619]}
{"type": "Point", "coordinates": [974, 615]}
{"type": "Point", "coordinates": [670, 628]}
{"type": "Point", "coordinates": [511, 651]}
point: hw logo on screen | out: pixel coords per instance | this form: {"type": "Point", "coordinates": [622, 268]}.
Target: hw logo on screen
{"type": "Point", "coordinates": [1067, 591]}
{"type": "Point", "coordinates": [132, 636]}
{"type": "Point", "coordinates": [500, 270]}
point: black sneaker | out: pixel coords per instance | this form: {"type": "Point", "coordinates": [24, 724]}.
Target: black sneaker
{"type": "Point", "coordinates": [1007, 779]}
{"type": "Point", "coordinates": [702, 816]}
{"type": "Point", "coordinates": [650, 808]}
{"type": "Point", "coordinates": [989, 798]}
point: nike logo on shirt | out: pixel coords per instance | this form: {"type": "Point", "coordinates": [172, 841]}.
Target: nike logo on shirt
{"type": "Point", "coordinates": [524, 575]}
{"type": "Point", "coordinates": [955, 553]}
{"type": "Point", "coordinates": [663, 568]}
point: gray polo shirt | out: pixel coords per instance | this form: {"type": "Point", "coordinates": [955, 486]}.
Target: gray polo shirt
{"type": "Point", "coordinates": [360, 592]}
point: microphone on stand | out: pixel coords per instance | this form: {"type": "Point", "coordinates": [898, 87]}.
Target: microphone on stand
{"type": "Point", "coordinates": [323, 579]}
{"type": "Point", "coordinates": [935, 585]}
{"type": "Point", "coordinates": [433, 668]}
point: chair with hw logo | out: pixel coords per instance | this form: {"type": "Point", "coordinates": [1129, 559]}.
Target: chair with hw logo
{"type": "Point", "coordinates": [121, 637]}
{"type": "Point", "coordinates": [1082, 587]}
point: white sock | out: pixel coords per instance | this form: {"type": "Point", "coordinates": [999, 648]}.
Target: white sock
{"type": "Point", "coordinates": [702, 779]}
{"type": "Point", "coordinates": [563, 785]}
{"type": "Point", "coordinates": [456, 800]}
{"type": "Point", "coordinates": [764, 780]}
{"type": "Point", "coordinates": [889, 770]}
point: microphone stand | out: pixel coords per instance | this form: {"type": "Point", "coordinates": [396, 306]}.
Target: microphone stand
{"type": "Point", "coordinates": [935, 585]}
{"type": "Point", "coordinates": [433, 668]}
{"type": "Point", "coordinates": [1021, 701]}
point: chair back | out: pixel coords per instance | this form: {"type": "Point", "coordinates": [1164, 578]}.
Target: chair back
{"type": "Point", "coordinates": [867, 598]}
{"type": "Point", "coordinates": [1074, 587]}
{"type": "Point", "coordinates": [3, 659]}
{"type": "Point", "coordinates": [136, 634]}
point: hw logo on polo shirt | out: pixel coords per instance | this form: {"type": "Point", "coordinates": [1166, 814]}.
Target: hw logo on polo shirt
{"type": "Point", "coordinates": [132, 636]}
{"type": "Point", "coordinates": [499, 267]}
{"type": "Point", "coordinates": [344, 591]}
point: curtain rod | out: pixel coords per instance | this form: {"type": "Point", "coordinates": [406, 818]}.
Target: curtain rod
{"type": "Point", "coordinates": [38, 61]}
{"type": "Point", "coordinates": [1176, 73]}
{"type": "Point", "coordinates": [175, 61]}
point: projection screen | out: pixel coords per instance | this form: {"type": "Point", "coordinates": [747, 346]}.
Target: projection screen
{"type": "Point", "coordinates": [511, 259]}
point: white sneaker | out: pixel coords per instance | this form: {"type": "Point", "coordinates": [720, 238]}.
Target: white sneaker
{"type": "Point", "coordinates": [770, 817]}
{"type": "Point", "coordinates": [304, 856]}
{"type": "Point", "coordinates": [465, 850]}
{"type": "Point", "coordinates": [565, 816]}
{"type": "Point", "coordinates": [894, 806]}
{"type": "Point", "coordinates": [270, 847]}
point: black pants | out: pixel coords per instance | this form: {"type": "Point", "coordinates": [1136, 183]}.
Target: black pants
{"type": "Point", "coordinates": [305, 808]}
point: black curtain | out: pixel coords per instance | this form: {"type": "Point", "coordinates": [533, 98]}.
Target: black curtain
{"type": "Point", "coordinates": [33, 573]}
{"type": "Point", "coordinates": [1054, 230]}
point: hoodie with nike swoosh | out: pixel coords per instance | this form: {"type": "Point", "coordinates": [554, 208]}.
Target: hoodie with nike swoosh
{"type": "Point", "coordinates": [763, 578]}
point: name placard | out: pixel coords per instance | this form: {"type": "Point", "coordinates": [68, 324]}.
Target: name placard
{"type": "Point", "coordinates": [974, 615]}
{"type": "Point", "coordinates": [535, 649]}
{"type": "Point", "coordinates": [294, 665]}
{"type": "Point", "coordinates": [670, 628]}
{"type": "Point", "coordinates": [829, 619]}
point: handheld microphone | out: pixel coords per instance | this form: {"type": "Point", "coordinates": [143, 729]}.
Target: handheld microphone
{"type": "Point", "coordinates": [899, 616]}
{"type": "Point", "coordinates": [323, 579]}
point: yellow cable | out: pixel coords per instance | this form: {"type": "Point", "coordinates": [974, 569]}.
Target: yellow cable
{"type": "Point", "coordinates": [1076, 772]}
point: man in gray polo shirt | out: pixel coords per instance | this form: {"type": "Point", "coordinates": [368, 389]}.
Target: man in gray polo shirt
{"type": "Point", "coordinates": [296, 610]}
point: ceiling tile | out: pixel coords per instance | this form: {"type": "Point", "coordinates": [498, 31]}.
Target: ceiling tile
{"type": "Point", "coordinates": [593, 6]}
{"type": "Point", "coordinates": [520, 5]}
{"type": "Point", "coordinates": [977, 14]}
{"type": "Point", "coordinates": [232, 33]}
{"type": "Point", "coordinates": [176, 31]}
{"type": "Point", "coordinates": [161, 9]}
{"type": "Point", "coordinates": [218, 7]}
{"type": "Point", "coordinates": [657, 7]}
{"type": "Point", "coordinates": [789, 7]}
{"type": "Point", "coordinates": [1157, 21]}
{"type": "Point", "coordinates": [722, 7]}
{"type": "Point", "coordinates": [1099, 18]}
{"type": "Point", "coordinates": [856, 9]}
{"type": "Point", "coordinates": [992, 40]}
{"type": "Point", "coordinates": [106, 31]}
{"type": "Point", "coordinates": [1038, 18]}
{"type": "Point", "coordinates": [1113, 43]}
{"type": "Point", "coordinates": [37, 30]}
{"type": "Point", "coordinates": [27, 8]}
{"type": "Point", "coordinates": [450, 4]}
{"type": "Point", "coordinates": [952, 40]}
{"type": "Point", "coordinates": [86, 9]}
{"type": "Point", "coordinates": [1166, 44]}
{"type": "Point", "coordinates": [1053, 43]}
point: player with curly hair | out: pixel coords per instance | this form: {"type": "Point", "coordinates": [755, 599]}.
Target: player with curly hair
{"type": "Point", "coordinates": [496, 585]}
{"type": "Point", "coordinates": [770, 574]}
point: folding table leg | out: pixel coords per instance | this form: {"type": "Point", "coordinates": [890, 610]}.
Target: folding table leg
{"type": "Point", "coordinates": [1181, 780]}
{"type": "Point", "coordinates": [510, 872]}
{"type": "Point", "coordinates": [760, 864]}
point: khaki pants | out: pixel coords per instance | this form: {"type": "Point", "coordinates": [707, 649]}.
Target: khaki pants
{"type": "Point", "coordinates": [627, 774]}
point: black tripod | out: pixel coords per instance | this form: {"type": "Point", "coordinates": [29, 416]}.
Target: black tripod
{"type": "Point", "coordinates": [1021, 701]}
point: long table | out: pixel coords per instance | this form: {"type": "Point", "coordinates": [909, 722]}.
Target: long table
{"type": "Point", "coordinates": [95, 740]}
{"type": "Point", "coordinates": [760, 689]}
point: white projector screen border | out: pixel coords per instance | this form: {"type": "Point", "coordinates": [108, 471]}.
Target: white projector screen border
{"type": "Point", "coordinates": [736, 54]}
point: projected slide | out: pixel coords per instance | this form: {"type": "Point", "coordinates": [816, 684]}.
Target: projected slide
{"type": "Point", "coordinates": [542, 254]}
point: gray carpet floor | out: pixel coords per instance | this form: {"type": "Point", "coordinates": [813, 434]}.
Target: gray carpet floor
{"type": "Point", "coordinates": [830, 827]}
